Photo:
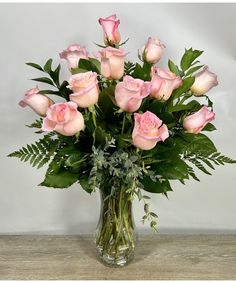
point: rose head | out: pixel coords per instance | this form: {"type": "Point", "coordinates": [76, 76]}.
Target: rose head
{"type": "Point", "coordinates": [148, 130]}
{"type": "Point", "coordinates": [36, 101]}
{"type": "Point", "coordinates": [204, 81]}
{"type": "Point", "coordinates": [111, 33]}
{"type": "Point", "coordinates": [85, 89]}
{"type": "Point", "coordinates": [72, 54]}
{"type": "Point", "coordinates": [196, 122]}
{"type": "Point", "coordinates": [163, 83]}
{"type": "Point", "coordinates": [112, 63]}
{"type": "Point", "coordinates": [152, 51]}
{"type": "Point", "coordinates": [63, 118]}
{"type": "Point", "coordinates": [130, 92]}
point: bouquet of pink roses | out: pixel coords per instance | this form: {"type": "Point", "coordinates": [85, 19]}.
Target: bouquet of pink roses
{"type": "Point", "coordinates": [123, 128]}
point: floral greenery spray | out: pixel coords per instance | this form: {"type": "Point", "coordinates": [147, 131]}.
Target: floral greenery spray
{"type": "Point", "coordinates": [123, 128]}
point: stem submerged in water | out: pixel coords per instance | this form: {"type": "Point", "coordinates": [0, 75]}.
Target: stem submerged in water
{"type": "Point", "coordinates": [115, 237]}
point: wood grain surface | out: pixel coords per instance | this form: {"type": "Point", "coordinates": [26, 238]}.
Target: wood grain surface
{"type": "Point", "coordinates": [157, 257]}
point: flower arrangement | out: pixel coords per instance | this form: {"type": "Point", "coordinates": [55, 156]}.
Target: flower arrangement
{"type": "Point", "coordinates": [123, 128]}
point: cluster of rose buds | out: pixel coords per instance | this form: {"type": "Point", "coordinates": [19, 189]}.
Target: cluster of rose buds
{"type": "Point", "coordinates": [65, 119]}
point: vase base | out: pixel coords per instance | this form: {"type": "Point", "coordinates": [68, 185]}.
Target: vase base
{"type": "Point", "coordinates": [111, 260]}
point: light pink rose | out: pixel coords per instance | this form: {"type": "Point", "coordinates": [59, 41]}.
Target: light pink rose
{"type": "Point", "coordinates": [204, 81]}
{"type": "Point", "coordinates": [130, 92]}
{"type": "Point", "coordinates": [152, 51]}
{"type": "Point", "coordinates": [38, 102]}
{"type": "Point", "coordinates": [72, 54]}
{"type": "Point", "coordinates": [63, 118]}
{"type": "Point", "coordinates": [163, 83]}
{"type": "Point", "coordinates": [148, 130]}
{"type": "Point", "coordinates": [85, 89]}
{"type": "Point", "coordinates": [112, 63]}
{"type": "Point", "coordinates": [196, 122]}
{"type": "Point", "coordinates": [111, 33]}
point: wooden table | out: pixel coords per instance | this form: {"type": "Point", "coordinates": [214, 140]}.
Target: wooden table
{"type": "Point", "coordinates": [157, 257]}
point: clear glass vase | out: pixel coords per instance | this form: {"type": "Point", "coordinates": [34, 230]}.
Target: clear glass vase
{"type": "Point", "coordinates": [115, 235]}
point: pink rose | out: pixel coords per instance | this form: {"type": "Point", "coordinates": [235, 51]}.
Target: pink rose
{"type": "Point", "coordinates": [204, 81]}
{"type": "Point", "coordinates": [63, 118]}
{"type": "Point", "coordinates": [111, 33]}
{"type": "Point", "coordinates": [72, 54]}
{"type": "Point", "coordinates": [112, 63]}
{"type": "Point", "coordinates": [38, 102]}
{"type": "Point", "coordinates": [148, 130]}
{"type": "Point", "coordinates": [85, 89]}
{"type": "Point", "coordinates": [163, 83]}
{"type": "Point", "coordinates": [196, 122]}
{"type": "Point", "coordinates": [152, 51]}
{"type": "Point", "coordinates": [130, 92]}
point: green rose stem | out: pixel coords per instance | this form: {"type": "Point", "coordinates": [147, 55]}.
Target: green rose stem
{"type": "Point", "coordinates": [123, 123]}
{"type": "Point", "coordinates": [92, 111]}
{"type": "Point", "coordinates": [115, 234]}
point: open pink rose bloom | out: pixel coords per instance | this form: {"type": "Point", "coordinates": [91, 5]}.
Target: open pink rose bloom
{"type": "Point", "coordinates": [148, 130]}
{"type": "Point", "coordinates": [63, 118]}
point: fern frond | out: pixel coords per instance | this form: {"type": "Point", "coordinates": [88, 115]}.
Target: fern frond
{"type": "Point", "coordinates": [192, 173]}
{"type": "Point", "coordinates": [198, 158]}
{"type": "Point", "coordinates": [129, 68]}
{"type": "Point", "coordinates": [38, 154]}
{"type": "Point", "coordinates": [36, 124]}
{"type": "Point", "coordinates": [198, 164]}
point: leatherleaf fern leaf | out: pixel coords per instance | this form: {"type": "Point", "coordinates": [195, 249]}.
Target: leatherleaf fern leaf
{"type": "Point", "coordinates": [203, 159]}
{"type": "Point", "coordinates": [38, 153]}
{"type": "Point", "coordinates": [201, 152]}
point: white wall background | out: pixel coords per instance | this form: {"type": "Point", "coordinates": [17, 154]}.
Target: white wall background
{"type": "Point", "coordinates": [36, 32]}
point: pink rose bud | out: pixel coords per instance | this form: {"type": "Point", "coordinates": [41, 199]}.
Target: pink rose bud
{"type": "Point", "coordinates": [130, 92]}
{"type": "Point", "coordinates": [111, 33]}
{"type": "Point", "coordinates": [148, 130]}
{"type": "Point", "coordinates": [196, 122]}
{"type": "Point", "coordinates": [85, 89]}
{"type": "Point", "coordinates": [204, 81]}
{"type": "Point", "coordinates": [38, 102]}
{"type": "Point", "coordinates": [163, 83]}
{"type": "Point", "coordinates": [112, 63]}
{"type": "Point", "coordinates": [152, 51]}
{"type": "Point", "coordinates": [63, 118]}
{"type": "Point", "coordinates": [72, 54]}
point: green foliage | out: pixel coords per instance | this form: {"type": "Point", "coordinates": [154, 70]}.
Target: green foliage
{"type": "Point", "coordinates": [193, 70]}
{"type": "Point", "coordinates": [192, 143]}
{"type": "Point", "coordinates": [209, 127]}
{"type": "Point", "coordinates": [189, 57]}
{"type": "Point", "coordinates": [187, 83]}
{"type": "Point", "coordinates": [37, 154]}
{"type": "Point", "coordinates": [158, 186]}
{"type": "Point", "coordinates": [129, 68]}
{"type": "Point", "coordinates": [174, 68]}
{"type": "Point", "coordinates": [64, 91]}
{"type": "Point", "coordinates": [200, 151]}
{"type": "Point", "coordinates": [60, 180]}
{"type": "Point", "coordinates": [48, 66]}
{"type": "Point", "coordinates": [44, 80]}
{"type": "Point", "coordinates": [202, 159]}
{"type": "Point", "coordinates": [90, 65]}
{"type": "Point", "coordinates": [142, 72]}
{"type": "Point", "coordinates": [56, 175]}
{"type": "Point", "coordinates": [36, 66]}
{"type": "Point", "coordinates": [52, 80]}
{"type": "Point", "coordinates": [36, 124]}
{"type": "Point", "coordinates": [54, 74]}
{"type": "Point", "coordinates": [192, 105]}
{"type": "Point", "coordinates": [172, 169]}
{"type": "Point", "coordinates": [149, 215]}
